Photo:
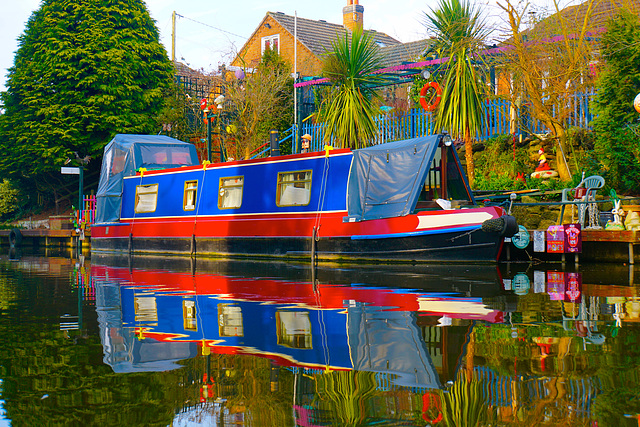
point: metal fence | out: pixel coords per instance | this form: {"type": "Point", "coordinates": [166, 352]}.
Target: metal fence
{"type": "Point", "coordinates": [500, 117]}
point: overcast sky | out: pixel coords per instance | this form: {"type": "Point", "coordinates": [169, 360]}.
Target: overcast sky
{"type": "Point", "coordinates": [209, 33]}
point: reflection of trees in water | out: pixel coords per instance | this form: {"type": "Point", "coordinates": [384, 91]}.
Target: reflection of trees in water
{"type": "Point", "coordinates": [464, 403]}
{"type": "Point", "coordinates": [347, 395]}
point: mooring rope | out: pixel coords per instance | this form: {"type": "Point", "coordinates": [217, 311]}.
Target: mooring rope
{"type": "Point", "coordinates": [323, 191]}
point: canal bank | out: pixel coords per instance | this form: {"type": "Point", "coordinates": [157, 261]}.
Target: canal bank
{"type": "Point", "coordinates": [57, 231]}
{"type": "Point", "coordinates": [617, 246]}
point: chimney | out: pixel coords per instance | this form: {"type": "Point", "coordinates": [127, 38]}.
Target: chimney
{"type": "Point", "coordinates": [352, 15]}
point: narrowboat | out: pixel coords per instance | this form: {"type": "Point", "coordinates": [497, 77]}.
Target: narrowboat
{"type": "Point", "coordinates": [405, 201]}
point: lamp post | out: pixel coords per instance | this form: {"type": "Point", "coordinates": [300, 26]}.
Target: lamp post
{"type": "Point", "coordinates": [82, 161]}
{"type": "Point", "coordinates": [208, 119]}
{"type": "Point", "coordinates": [209, 115]}
{"type": "Point", "coordinates": [81, 190]}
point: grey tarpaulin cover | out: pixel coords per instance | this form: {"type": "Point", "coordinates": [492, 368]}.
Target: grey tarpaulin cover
{"type": "Point", "coordinates": [127, 153]}
{"type": "Point", "coordinates": [390, 342]}
{"type": "Point", "coordinates": [385, 180]}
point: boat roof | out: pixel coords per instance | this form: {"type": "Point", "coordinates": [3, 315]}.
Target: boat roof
{"type": "Point", "coordinates": [126, 154]}
{"type": "Point", "coordinates": [385, 180]}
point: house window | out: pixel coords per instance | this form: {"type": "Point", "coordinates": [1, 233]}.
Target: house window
{"type": "Point", "coordinates": [271, 42]}
{"type": "Point", "coordinates": [146, 198]}
{"type": "Point", "coordinates": [294, 188]}
{"type": "Point", "coordinates": [230, 193]}
{"type": "Point", "coordinates": [293, 329]}
{"type": "Point", "coordinates": [190, 193]}
{"type": "Point", "coordinates": [230, 320]}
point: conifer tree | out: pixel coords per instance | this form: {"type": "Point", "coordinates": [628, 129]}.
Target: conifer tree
{"type": "Point", "coordinates": [84, 71]}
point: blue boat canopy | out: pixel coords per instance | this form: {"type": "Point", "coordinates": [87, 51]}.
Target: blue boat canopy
{"type": "Point", "coordinates": [124, 155]}
{"type": "Point", "coordinates": [385, 180]}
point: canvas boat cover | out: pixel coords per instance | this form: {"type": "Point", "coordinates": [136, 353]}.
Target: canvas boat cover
{"type": "Point", "coordinates": [124, 155]}
{"type": "Point", "coordinates": [385, 180]}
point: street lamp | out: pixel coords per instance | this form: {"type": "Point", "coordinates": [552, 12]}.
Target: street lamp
{"type": "Point", "coordinates": [82, 162]}
{"type": "Point", "coordinates": [210, 114]}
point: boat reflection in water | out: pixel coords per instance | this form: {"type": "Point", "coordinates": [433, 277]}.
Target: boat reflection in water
{"type": "Point", "coordinates": [151, 318]}
{"type": "Point", "coordinates": [450, 345]}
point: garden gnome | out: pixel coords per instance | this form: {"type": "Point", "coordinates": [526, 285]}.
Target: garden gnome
{"type": "Point", "coordinates": [306, 143]}
{"type": "Point", "coordinates": [543, 165]}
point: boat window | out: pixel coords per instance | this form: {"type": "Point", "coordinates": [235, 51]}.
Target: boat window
{"type": "Point", "coordinates": [189, 315]}
{"type": "Point", "coordinates": [294, 188]}
{"type": "Point", "coordinates": [433, 183]}
{"type": "Point", "coordinates": [145, 309]}
{"type": "Point", "coordinates": [230, 193]}
{"type": "Point", "coordinates": [444, 181]}
{"type": "Point", "coordinates": [190, 193]}
{"type": "Point", "coordinates": [456, 187]}
{"type": "Point", "coordinates": [146, 198]}
{"type": "Point", "coordinates": [293, 329]}
{"type": "Point", "coordinates": [230, 320]}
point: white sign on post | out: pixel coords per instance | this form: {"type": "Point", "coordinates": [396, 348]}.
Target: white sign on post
{"type": "Point", "coordinates": [69, 171]}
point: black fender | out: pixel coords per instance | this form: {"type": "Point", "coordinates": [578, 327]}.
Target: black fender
{"type": "Point", "coordinates": [15, 237]}
{"type": "Point", "coordinates": [506, 226]}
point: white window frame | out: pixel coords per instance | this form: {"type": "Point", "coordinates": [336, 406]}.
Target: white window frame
{"type": "Point", "coordinates": [270, 39]}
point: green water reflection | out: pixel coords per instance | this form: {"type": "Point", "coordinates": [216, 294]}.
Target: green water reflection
{"type": "Point", "coordinates": [181, 342]}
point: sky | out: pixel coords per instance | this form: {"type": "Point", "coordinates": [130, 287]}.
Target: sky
{"type": "Point", "coordinates": [209, 33]}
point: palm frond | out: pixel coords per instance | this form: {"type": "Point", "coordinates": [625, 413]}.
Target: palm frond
{"type": "Point", "coordinates": [350, 106]}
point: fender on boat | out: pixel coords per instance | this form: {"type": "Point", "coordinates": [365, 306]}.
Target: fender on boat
{"type": "Point", "coordinates": [506, 226]}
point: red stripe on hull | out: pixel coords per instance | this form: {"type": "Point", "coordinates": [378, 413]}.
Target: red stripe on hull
{"type": "Point", "coordinates": [291, 225]}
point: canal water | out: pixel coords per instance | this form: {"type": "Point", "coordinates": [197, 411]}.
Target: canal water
{"type": "Point", "coordinates": [182, 342]}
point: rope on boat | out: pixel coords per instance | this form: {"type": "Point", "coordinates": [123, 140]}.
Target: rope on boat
{"type": "Point", "coordinates": [468, 233]}
{"type": "Point", "coordinates": [133, 220]}
{"type": "Point", "coordinates": [199, 193]}
{"type": "Point", "coordinates": [323, 192]}
{"type": "Point", "coordinates": [315, 234]}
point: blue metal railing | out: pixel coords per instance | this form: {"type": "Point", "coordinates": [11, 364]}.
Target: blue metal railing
{"type": "Point", "coordinates": [417, 122]}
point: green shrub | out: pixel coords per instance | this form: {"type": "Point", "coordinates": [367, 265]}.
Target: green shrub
{"type": "Point", "coordinates": [495, 166]}
{"type": "Point", "coordinates": [9, 198]}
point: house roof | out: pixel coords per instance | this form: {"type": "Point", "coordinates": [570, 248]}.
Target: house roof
{"type": "Point", "coordinates": [317, 36]}
{"type": "Point", "coordinates": [601, 12]}
{"type": "Point", "coordinates": [404, 52]}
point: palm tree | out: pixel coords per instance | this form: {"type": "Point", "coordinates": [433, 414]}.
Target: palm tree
{"type": "Point", "coordinates": [351, 104]}
{"type": "Point", "coordinates": [460, 34]}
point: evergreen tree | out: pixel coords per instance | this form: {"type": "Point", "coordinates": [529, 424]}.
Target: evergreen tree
{"type": "Point", "coordinates": [616, 122]}
{"type": "Point", "coordinates": [84, 71]}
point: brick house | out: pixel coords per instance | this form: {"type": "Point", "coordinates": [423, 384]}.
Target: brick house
{"type": "Point", "coordinates": [551, 28]}
{"type": "Point", "coordinates": [314, 38]}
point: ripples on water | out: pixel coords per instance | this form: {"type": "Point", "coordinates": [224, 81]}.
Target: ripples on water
{"type": "Point", "coordinates": [152, 341]}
